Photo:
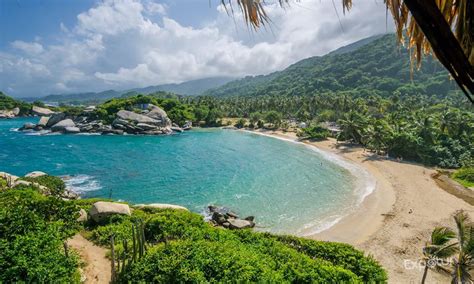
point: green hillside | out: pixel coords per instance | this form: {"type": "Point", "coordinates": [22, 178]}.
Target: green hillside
{"type": "Point", "coordinates": [380, 67]}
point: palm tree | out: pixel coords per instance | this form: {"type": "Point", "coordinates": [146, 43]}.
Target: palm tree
{"type": "Point", "coordinates": [446, 243]}
{"type": "Point", "coordinates": [439, 247]}
{"type": "Point", "coordinates": [353, 126]}
{"type": "Point", "coordinates": [464, 262]}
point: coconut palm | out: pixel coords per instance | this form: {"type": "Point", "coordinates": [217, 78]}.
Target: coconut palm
{"type": "Point", "coordinates": [464, 261]}
{"type": "Point", "coordinates": [442, 27]}
{"type": "Point", "coordinates": [439, 247]}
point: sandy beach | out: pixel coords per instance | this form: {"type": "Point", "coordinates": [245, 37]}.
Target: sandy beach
{"type": "Point", "coordinates": [393, 223]}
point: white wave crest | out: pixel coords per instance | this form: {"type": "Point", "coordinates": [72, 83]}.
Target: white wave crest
{"type": "Point", "coordinates": [81, 183]}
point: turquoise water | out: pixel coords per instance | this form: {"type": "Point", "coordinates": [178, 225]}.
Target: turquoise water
{"type": "Point", "coordinates": [287, 186]}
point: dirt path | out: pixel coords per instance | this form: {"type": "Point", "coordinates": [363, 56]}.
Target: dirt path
{"type": "Point", "coordinates": [98, 267]}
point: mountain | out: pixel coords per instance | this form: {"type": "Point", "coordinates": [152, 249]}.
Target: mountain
{"type": "Point", "coordinates": [189, 88]}
{"type": "Point", "coordinates": [373, 66]}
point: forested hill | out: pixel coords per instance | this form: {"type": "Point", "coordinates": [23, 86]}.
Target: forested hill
{"type": "Point", "coordinates": [380, 67]}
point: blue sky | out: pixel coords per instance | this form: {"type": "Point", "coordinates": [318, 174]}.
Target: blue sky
{"type": "Point", "coordinates": [68, 46]}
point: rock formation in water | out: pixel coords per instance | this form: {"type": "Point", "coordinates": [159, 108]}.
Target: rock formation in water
{"type": "Point", "coordinates": [152, 121]}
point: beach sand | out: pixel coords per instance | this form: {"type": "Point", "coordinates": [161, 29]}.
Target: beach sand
{"type": "Point", "coordinates": [393, 223]}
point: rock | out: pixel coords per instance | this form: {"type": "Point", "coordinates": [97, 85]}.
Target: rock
{"type": "Point", "coordinates": [161, 206]}
{"type": "Point", "coordinates": [238, 224]}
{"type": "Point", "coordinates": [219, 218]}
{"type": "Point", "coordinates": [249, 218]}
{"type": "Point", "coordinates": [7, 176]}
{"type": "Point", "coordinates": [159, 114]}
{"type": "Point", "coordinates": [146, 127]}
{"type": "Point", "coordinates": [226, 225]}
{"type": "Point", "coordinates": [61, 126]}
{"type": "Point", "coordinates": [22, 182]}
{"type": "Point", "coordinates": [232, 215]}
{"type": "Point", "coordinates": [82, 216]}
{"type": "Point", "coordinates": [16, 111]}
{"type": "Point", "coordinates": [72, 130]}
{"type": "Point", "coordinates": [41, 111]}
{"type": "Point", "coordinates": [101, 210]}
{"type": "Point", "coordinates": [188, 125]}
{"type": "Point", "coordinates": [43, 121]}
{"type": "Point", "coordinates": [38, 127]}
{"type": "Point", "coordinates": [112, 131]}
{"type": "Point", "coordinates": [69, 195]}
{"type": "Point", "coordinates": [35, 174]}
{"type": "Point", "coordinates": [28, 126]}
{"type": "Point", "coordinates": [55, 118]}
{"type": "Point", "coordinates": [176, 129]}
{"type": "Point", "coordinates": [212, 208]}
{"type": "Point", "coordinates": [89, 109]}
{"type": "Point", "coordinates": [130, 116]}
{"type": "Point", "coordinates": [6, 114]}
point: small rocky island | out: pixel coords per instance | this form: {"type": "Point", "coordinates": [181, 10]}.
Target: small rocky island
{"type": "Point", "coordinates": [147, 119]}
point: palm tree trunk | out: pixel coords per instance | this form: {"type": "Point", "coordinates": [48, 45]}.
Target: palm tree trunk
{"type": "Point", "coordinates": [424, 274]}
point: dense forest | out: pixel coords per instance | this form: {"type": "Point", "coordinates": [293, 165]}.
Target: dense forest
{"type": "Point", "coordinates": [378, 66]}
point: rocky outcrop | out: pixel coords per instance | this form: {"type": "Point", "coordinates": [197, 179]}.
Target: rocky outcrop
{"type": "Point", "coordinates": [161, 206]}
{"type": "Point", "coordinates": [101, 210]}
{"type": "Point", "coordinates": [221, 216]}
{"type": "Point", "coordinates": [62, 125]}
{"type": "Point", "coordinates": [152, 121]}
{"type": "Point", "coordinates": [6, 114]}
{"type": "Point", "coordinates": [28, 126]}
{"type": "Point", "coordinates": [55, 118]}
{"type": "Point", "coordinates": [10, 113]}
{"type": "Point", "coordinates": [35, 174]}
{"type": "Point", "coordinates": [41, 111]}
{"type": "Point", "coordinates": [82, 216]}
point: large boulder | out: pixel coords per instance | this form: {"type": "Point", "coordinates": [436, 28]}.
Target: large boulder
{"type": "Point", "coordinates": [62, 125]}
{"type": "Point", "coordinates": [28, 126]}
{"type": "Point", "coordinates": [131, 117]}
{"type": "Point", "coordinates": [161, 206]}
{"type": "Point", "coordinates": [72, 130]}
{"type": "Point", "coordinates": [146, 126]}
{"type": "Point", "coordinates": [159, 114]}
{"type": "Point", "coordinates": [55, 118]}
{"type": "Point", "coordinates": [240, 224]}
{"type": "Point", "coordinates": [16, 111]}
{"type": "Point", "coordinates": [41, 111]}
{"type": "Point", "coordinates": [101, 210]}
{"type": "Point", "coordinates": [43, 121]}
{"type": "Point", "coordinates": [35, 174]}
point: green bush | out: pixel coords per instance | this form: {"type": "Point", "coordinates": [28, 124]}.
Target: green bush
{"type": "Point", "coordinates": [55, 184]}
{"type": "Point", "coordinates": [208, 261]}
{"type": "Point", "coordinates": [33, 228]}
{"type": "Point", "coordinates": [189, 250]}
{"type": "Point", "coordinates": [465, 176]}
{"type": "Point", "coordinates": [314, 133]}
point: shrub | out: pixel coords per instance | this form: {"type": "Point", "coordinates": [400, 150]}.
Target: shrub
{"type": "Point", "coordinates": [209, 261]}
{"type": "Point", "coordinates": [240, 123]}
{"type": "Point", "coordinates": [32, 231]}
{"type": "Point", "coordinates": [314, 133]}
{"type": "Point", "coordinates": [465, 176]}
{"type": "Point", "coordinates": [55, 184]}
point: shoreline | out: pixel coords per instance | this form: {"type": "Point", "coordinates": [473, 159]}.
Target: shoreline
{"type": "Point", "coordinates": [394, 222]}
{"type": "Point", "coordinates": [365, 186]}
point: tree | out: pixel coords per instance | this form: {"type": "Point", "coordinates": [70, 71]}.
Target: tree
{"type": "Point", "coordinates": [353, 127]}
{"type": "Point", "coordinates": [438, 248]}
{"type": "Point", "coordinates": [273, 117]}
{"type": "Point", "coordinates": [464, 262]}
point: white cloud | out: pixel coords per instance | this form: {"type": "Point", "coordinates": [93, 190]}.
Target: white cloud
{"type": "Point", "coordinates": [28, 47]}
{"type": "Point", "coordinates": [116, 44]}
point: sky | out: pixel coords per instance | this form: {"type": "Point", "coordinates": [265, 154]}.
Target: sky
{"type": "Point", "coordinates": [70, 46]}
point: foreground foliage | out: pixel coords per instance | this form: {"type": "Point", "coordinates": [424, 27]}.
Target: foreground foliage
{"type": "Point", "coordinates": [465, 176]}
{"type": "Point", "coordinates": [183, 248]}
{"type": "Point", "coordinates": [33, 228]}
